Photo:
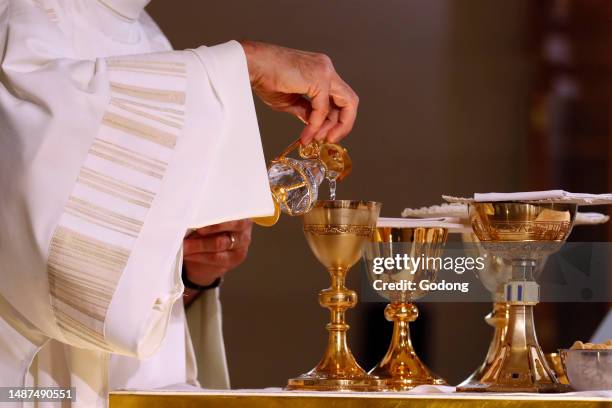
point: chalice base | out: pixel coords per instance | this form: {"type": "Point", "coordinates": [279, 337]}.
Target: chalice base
{"type": "Point", "coordinates": [314, 382]}
{"type": "Point", "coordinates": [407, 381]}
{"type": "Point", "coordinates": [401, 369]}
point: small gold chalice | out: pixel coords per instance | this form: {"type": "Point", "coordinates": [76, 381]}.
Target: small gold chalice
{"type": "Point", "coordinates": [336, 232]}
{"type": "Point", "coordinates": [522, 235]}
{"type": "Point", "coordinates": [401, 369]}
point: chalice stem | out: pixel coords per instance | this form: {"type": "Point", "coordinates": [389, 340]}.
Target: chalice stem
{"type": "Point", "coordinates": [401, 314]}
{"type": "Point", "coordinates": [401, 334]}
{"type": "Point", "coordinates": [338, 361]}
{"type": "Point", "coordinates": [498, 319]}
{"type": "Point", "coordinates": [401, 368]}
{"type": "Point", "coordinates": [340, 301]}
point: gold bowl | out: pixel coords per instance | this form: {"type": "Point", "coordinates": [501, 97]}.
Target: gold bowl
{"type": "Point", "coordinates": [336, 230]}
{"type": "Point", "coordinates": [522, 222]}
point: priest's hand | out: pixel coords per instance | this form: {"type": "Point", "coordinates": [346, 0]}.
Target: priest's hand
{"type": "Point", "coordinates": [304, 84]}
{"type": "Point", "coordinates": [209, 252]}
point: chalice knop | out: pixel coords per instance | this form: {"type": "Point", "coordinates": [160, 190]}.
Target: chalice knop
{"type": "Point", "coordinates": [401, 369]}
{"type": "Point", "coordinates": [521, 235]}
{"type": "Point", "coordinates": [336, 232]}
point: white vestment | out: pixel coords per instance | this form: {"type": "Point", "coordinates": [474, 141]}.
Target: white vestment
{"type": "Point", "coordinates": [111, 146]}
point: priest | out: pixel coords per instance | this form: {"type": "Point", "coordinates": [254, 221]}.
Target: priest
{"type": "Point", "coordinates": [119, 157]}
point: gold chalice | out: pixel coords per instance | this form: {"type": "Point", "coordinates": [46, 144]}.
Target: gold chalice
{"type": "Point", "coordinates": [521, 235]}
{"type": "Point", "coordinates": [401, 369]}
{"type": "Point", "coordinates": [336, 232]}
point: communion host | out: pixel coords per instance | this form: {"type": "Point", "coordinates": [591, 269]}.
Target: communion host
{"type": "Point", "coordinates": [125, 169]}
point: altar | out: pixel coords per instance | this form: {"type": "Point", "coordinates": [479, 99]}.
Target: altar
{"type": "Point", "coordinates": [424, 396]}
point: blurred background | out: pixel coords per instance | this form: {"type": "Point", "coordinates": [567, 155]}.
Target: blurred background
{"type": "Point", "coordinates": [456, 97]}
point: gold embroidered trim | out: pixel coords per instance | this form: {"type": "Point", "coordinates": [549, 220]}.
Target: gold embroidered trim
{"type": "Point", "coordinates": [75, 330]}
{"type": "Point", "coordinates": [143, 65]}
{"type": "Point", "coordinates": [159, 95]}
{"type": "Point", "coordinates": [83, 272]}
{"type": "Point", "coordinates": [140, 130]}
{"type": "Point", "coordinates": [324, 229]}
{"type": "Point", "coordinates": [125, 163]}
{"type": "Point", "coordinates": [115, 188]}
{"type": "Point", "coordinates": [147, 71]}
{"type": "Point", "coordinates": [170, 111]}
{"type": "Point", "coordinates": [136, 159]}
{"type": "Point", "coordinates": [138, 112]}
{"type": "Point", "coordinates": [103, 216]}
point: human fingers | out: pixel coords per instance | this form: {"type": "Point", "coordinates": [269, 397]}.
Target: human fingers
{"type": "Point", "coordinates": [300, 108]}
{"type": "Point", "coordinates": [319, 102]}
{"type": "Point", "coordinates": [223, 241]}
{"type": "Point", "coordinates": [347, 102]}
{"type": "Point", "coordinates": [225, 260]}
{"type": "Point", "coordinates": [330, 122]}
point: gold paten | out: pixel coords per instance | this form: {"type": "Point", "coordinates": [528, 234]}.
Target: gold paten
{"type": "Point", "coordinates": [336, 232]}
{"type": "Point", "coordinates": [523, 234]}
{"type": "Point", "coordinates": [401, 368]}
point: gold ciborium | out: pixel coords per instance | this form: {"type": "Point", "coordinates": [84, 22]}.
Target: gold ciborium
{"type": "Point", "coordinates": [336, 232]}
{"type": "Point", "coordinates": [523, 235]}
{"type": "Point", "coordinates": [401, 369]}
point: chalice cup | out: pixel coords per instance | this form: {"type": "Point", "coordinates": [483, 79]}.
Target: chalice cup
{"type": "Point", "coordinates": [520, 236]}
{"type": "Point", "coordinates": [401, 369]}
{"type": "Point", "coordinates": [336, 232]}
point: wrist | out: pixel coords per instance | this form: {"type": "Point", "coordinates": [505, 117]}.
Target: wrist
{"type": "Point", "coordinates": [250, 51]}
{"type": "Point", "coordinates": [198, 286]}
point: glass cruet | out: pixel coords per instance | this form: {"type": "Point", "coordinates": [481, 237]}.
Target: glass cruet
{"type": "Point", "coordinates": [294, 182]}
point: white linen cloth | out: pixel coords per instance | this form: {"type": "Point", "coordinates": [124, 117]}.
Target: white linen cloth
{"type": "Point", "coordinates": [111, 146]}
{"type": "Point", "coordinates": [553, 196]}
{"type": "Point", "coordinates": [461, 211]}
{"type": "Point", "coordinates": [441, 222]}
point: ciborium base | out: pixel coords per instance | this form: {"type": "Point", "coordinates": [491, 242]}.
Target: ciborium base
{"type": "Point", "coordinates": [539, 388]}
{"type": "Point", "coordinates": [401, 369]}
{"type": "Point", "coordinates": [518, 363]}
{"type": "Point", "coordinates": [498, 319]}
